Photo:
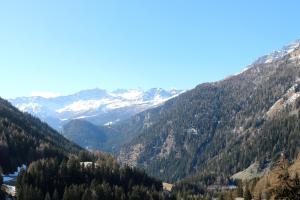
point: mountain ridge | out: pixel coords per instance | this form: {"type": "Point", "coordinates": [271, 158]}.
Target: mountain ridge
{"type": "Point", "coordinates": [24, 138]}
{"type": "Point", "coordinates": [95, 105]}
{"type": "Point", "coordinates": [202, 129]}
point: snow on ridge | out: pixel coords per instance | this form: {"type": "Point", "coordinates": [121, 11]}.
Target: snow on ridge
{"type": "Point", "coordinates": [83, 105]}
{"type": "Point", "coordinates": [272, 57]}
{"type": "Point", "coordinates": [90, 103]}
{"type": "Point", "coordinates": [84, 117]}
{"type": "Point", "coordinates": [277, 55]}
{"type": "Point", "coordinates": [29, 107]}
{"type": "Point", "coordinates": [132, 94]}
{"type": "Point", "coordinates": [111, 123]}
{"type": "Point", "coordinates": [127, 94]}
{"type": "Point", "coordinates": [105, 104]}
{"type": "Point", "coordinates": [117, 100]}
{"type": "Point", "coordinates": [243, 70]}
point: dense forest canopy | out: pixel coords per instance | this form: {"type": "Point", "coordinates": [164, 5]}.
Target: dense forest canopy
{"type": "Point", "coordinates": [24, 138]}
{"type": "Point", "coordinates": [220, 128]}
{"type": "Point", "coordinates": [101, 178]}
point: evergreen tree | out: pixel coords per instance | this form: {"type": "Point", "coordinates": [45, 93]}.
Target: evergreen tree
{"type": "Point", "coordinates": [1, 182]}
{"type": "Point", "coordinates": [47, 197]}
{"type": "Point", "coordinates": [221, 197]}
{"type": "Point", "coordinates": [67, 194]}
{"type": "Point", "coordinates": [247, 195]}
{"type": "Point", "coordinates": [284, 190]}
{"type": "Point", "coordinates": [69, 180]}
{"type": "Point", "coordinates": [1, 178]}
{"type": "Point", "coordinates": [55, 195]}
{"type": "Point", "coordinates": [87, 195]}
{"type": "Point", "coordinates": [289, 188]}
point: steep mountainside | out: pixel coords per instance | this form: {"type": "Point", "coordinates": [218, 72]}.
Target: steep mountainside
{"type": "Point", "coordinates": [91, 136]}
{"type": "Point", "coordinates": [222, 127]}
{"type": "Point", "coordinates": [24, 138]}
{"type": "Point", "coordinates": [97, 106]}
{"type": "Point", "coordinates": [272, 182]}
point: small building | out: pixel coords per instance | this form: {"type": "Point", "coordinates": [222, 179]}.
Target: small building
{"type": "Point", "coordinates": [86, 164]}
{"type": "Point", "coordinates": [167, 187]}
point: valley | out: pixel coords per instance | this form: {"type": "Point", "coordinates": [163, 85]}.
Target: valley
{"type": "Point", "coordinates": [149, 100]}
{"type": "Point", "coordinates": [219, 138]}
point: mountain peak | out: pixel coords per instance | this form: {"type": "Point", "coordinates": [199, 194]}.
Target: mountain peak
{"type": "Point", "coordinates": [94, 104]}
{"type": "Point", "coordinates": [279, 54]}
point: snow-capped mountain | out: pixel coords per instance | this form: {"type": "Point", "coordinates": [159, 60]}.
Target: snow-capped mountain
{"type": "Point", "coordinates": [290, 52]}
{"type": "Point", "coordinates": [96, 105]}
{"type": "Point", "coordinates": [277, 55]}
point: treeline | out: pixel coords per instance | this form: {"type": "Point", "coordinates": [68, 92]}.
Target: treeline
{"type": "Point", "coordinates": [52, 179]}
{"type": "Point", "coordinates": [209, 122]}
{"type": "Point", "coordinates": [24, 138]}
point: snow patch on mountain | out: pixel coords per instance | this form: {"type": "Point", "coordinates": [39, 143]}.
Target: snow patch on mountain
{"type": "Point", "coordinates": [96, 105]}
{"type": "Point", "coordinates": [277, 55]}
{"type": "Point", "coordinates": [132, 94]}
{"type": "Point", "coordinates": [274, 56]}
{"type": "Point", "coordinates": [29, 107]}
{"type": "Point", "coordinates": [84, 105]}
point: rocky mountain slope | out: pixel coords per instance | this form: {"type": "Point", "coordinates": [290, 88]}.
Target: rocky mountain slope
{"type": "Point", "coordinates": [97, 106]}
{"type": "Point", "coordinates": [221, 128]}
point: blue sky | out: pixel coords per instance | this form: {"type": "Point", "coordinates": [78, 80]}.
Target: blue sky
{"type": "Point", "coordinates": [65, 46]}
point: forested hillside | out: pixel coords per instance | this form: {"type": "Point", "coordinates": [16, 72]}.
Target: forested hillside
{"type": "Point", "coordinates": [220, 128]}
{"type": "Point", "coordinates": [101, 178]}
{"type": "Point", "coordinates": [93, 137]}
{"type": "Point", "coordinates": [24, 138]}
{"type": "Point", "coordinates": [59, 169]}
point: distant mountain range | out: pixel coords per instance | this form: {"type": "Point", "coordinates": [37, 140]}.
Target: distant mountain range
{"type": "Point", "coordinates": [96, 105]}
{"type": "Point", "coordinates": [206, 134]}
{"type": "Point", "coordinates": [52, 164]}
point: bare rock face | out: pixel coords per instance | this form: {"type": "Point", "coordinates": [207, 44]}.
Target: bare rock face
{"type": "Point", "coordinates": [288, 100]}
{"type": "Point", "coordinates": [131, 158]}
{"type": "Point", "coordinates": [167, 146]}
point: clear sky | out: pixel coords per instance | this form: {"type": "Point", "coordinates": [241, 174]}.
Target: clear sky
{"type": "Point", "coordinates": [63, 46]}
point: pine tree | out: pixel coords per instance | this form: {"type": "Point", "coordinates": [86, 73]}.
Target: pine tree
{"type": "Point", "coordinates": [284, 189]}
{"type": "Point", "coordinates": [67, 195]}
{"type": "Point", "coordinates": [221, 197]}
{"type": "Point", "coordinates": [1, 179]}
{"type": "Point", "coordinates": [1, 182]}
{"type": "Point", "coordinates": [87, 195]}
{"type": "Point", "coordinates": [47, 197]}
{"type": "Point", "coordinates": [55, 195]}
{"type": "Point", "coordinates": [247, 195]}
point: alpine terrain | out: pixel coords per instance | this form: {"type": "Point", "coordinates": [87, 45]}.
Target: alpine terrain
{"type": "Point", "coordinates": [217, 129]}
{"type": "Point", "coordinates": [24, 138]}
{"type": "Point", "coordinates": [55, 168]}
{"type": "Point", "coordinates": [96, 105]}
